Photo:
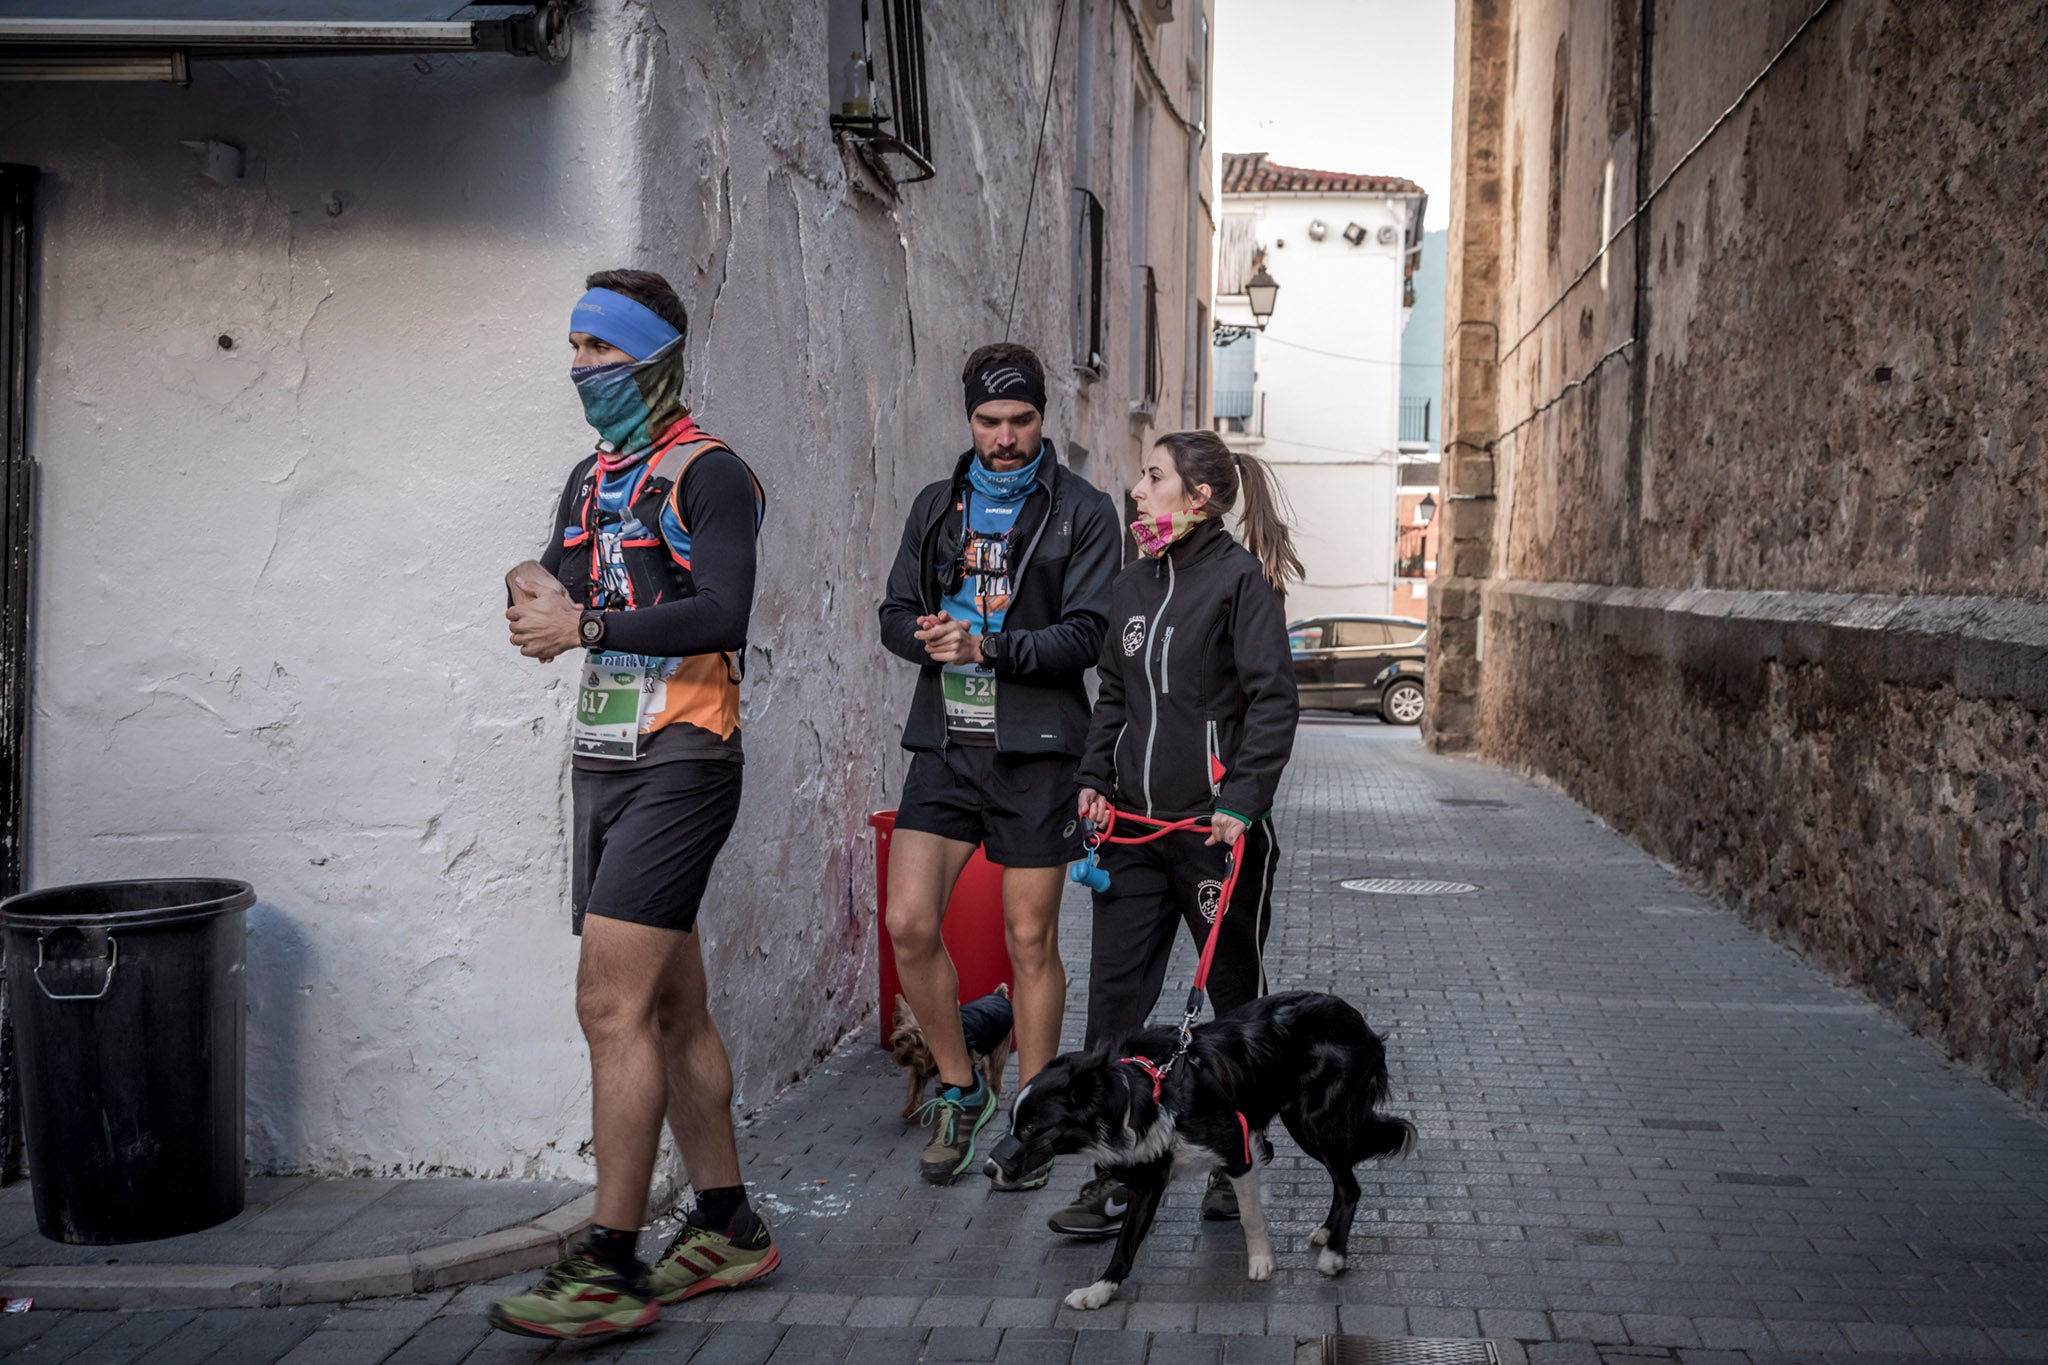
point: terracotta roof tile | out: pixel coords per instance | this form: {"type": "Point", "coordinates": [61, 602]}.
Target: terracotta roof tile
{"type": "Point", "coordinates": [1252, 173]}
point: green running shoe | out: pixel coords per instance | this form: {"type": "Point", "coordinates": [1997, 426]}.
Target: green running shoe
{"type": "Point", "coordinates": [951, 1150]}
{"type": "Point", "coordinates": [578, 1297]}
{"type": "Point", "coordinates": [698, 1261]}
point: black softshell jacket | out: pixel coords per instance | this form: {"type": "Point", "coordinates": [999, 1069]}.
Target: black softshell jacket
{"type": "Point", "coordinates": [1064, 556]}
{"type": "Point", "coordinates": [1197, 708]}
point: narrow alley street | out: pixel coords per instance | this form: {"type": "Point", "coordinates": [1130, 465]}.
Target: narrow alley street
{"type": "Point", "coordinates": [1647, 1133]}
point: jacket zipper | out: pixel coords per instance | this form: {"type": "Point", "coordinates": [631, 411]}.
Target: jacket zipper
{"type": "Point", "coordinates": [1151, 694]}
{"type": "Point", "coordinates": [1215, 787]}
{"type": "Point", "coordinates": [1165, 665]}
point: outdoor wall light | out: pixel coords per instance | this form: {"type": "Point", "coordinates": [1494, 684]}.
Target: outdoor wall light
{"type": "Point", "coordinates": [1425, 510]}
{"type": "Point", "coordinates": [1261, 290]}
{"type": "Point", "coordinates": [1354, 234]}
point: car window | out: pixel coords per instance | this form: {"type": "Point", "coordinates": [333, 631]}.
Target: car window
{"type": "Point", "coordinates": [1305, 638]}
{"type": "Point", "coordinates": [1408, 633]}
{"type": "Point", "coordinates": [1354, 634]}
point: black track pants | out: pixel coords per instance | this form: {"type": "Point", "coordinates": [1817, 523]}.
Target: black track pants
{"type": "Point", "coordinates": [1155, 887]}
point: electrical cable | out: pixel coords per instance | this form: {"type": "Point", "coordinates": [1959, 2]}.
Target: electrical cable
{"type": "Point", "coordinates": [1145, 60]}
{"type": "Point", "coordinates": [1037, 155]}
{"type": "Point", "coordinates": [1359, 359]}
{"type": "Point", "coordinates": [1643, 208]}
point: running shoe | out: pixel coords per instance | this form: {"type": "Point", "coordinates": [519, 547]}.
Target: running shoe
{"type": "Point", "coordinates": [579, 1297]}
{"type": "Point", "coordinates": [699, 1260]}
{"type": "Point", "coordinates": [956, 1126]}
{"type": "Point", "coordinates": [1097, 1212]}
{"type": "Point", "coordinates": [1000, 1179]}
{"type": "Point", "coordinates": [1219, 1201]}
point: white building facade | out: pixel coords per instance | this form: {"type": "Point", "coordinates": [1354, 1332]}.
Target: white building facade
{"type": "Point", "coordinates": [1317, 393]}
{"type": "Point", "coordinates": [297, 396]}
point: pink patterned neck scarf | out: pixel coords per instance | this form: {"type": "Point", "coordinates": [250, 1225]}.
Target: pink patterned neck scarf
{"type": "Point", "coordinates": [1156, 534]}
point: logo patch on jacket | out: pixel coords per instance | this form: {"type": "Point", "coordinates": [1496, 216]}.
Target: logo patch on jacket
{"type": "Point", "coordinates": [1134, 635]}
{"type": "Point", "coordinates": [1208, 896]}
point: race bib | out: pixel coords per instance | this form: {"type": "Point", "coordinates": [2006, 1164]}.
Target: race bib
{"type": "Point", "coordinates": [970, 699]}
{"type": "Point", "coordinates": [610, 704]}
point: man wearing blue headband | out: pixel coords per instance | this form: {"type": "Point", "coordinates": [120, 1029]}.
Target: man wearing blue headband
{"type": "Point", "coordinates": [650, 569]}
{"type": "Point", "coordinates": [1000, 595]}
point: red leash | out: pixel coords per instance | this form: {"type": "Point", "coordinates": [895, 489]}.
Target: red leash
{"type": "Point", "coordinates": [1106, 834]}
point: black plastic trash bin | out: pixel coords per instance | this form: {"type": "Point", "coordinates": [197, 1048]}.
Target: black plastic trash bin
{"type": "Point", "coordinates": [127, 1000]}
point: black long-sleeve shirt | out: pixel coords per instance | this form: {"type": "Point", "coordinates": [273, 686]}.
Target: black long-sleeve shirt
{"type": "Point", "coordinates": [716, 501]}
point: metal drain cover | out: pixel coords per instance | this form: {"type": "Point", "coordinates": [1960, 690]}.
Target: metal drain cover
{"type": "Point", "coordinates": [1407, 1351]}
{"type": "Point", "coordinates": [1406, 886]}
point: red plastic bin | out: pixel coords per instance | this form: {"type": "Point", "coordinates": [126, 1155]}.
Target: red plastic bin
{"type": "Point", "coordinates": [973, 931]}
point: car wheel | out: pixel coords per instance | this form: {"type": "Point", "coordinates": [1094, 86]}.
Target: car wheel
{"type": "Point", "coordinates": [1402, 703]}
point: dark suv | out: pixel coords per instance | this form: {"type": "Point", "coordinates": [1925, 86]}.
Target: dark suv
{"type": "Point", "coordinates": [1372, 665]}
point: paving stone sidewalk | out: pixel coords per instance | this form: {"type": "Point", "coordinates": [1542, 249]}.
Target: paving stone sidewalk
{"type": "Point", "coordinates": [1647, 1134]}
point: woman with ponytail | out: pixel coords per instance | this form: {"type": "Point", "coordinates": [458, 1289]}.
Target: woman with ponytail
{"type": "Point", "coordinates": [1195, 718]}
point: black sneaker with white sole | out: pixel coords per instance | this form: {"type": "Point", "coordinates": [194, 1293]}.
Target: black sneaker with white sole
{"type": "Point", "coordinates": [1098, 1211]}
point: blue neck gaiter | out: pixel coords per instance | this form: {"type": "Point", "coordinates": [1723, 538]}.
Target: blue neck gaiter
{"type": "Point", "coordinates": [632, 402]}
{"type": "Point", "coordinates": [1003, 487]}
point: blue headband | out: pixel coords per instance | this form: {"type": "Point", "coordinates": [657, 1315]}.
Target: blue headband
{"type": "Point", "coordinates": [633, 327]}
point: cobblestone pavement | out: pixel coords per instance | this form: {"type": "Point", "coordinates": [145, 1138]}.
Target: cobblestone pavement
{"type": "Point", "coordinates": [1647, 1134]}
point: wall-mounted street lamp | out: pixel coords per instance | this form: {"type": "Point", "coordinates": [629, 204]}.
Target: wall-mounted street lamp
{"type": "Point", "coordinates": [1425, 511]}
{"type": "Point", "coordinates": [1261, 291]}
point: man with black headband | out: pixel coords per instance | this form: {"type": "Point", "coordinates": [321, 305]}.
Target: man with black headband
{"type": "Point", "coordinates": [649, 568]}
{"type": "Point", "coordinates": [999, 593]}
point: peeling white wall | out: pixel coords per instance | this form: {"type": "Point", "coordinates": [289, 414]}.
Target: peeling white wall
{"type": "Point", "coordinates": [269, 641]}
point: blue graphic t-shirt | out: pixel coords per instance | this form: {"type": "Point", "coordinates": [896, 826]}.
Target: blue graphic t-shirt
{"type": "Point", "coordinates": [991, 505]}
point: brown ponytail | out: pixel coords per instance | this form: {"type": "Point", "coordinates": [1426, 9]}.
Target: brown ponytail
{"type": "Point", "coordinates": [1201, 457]}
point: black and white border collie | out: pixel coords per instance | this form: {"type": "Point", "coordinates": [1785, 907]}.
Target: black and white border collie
{"type": "Point", "coordinates": [1304, 1057]}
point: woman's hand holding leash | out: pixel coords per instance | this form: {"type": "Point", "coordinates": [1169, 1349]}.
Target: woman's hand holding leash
{"type": "Point", "coordinates": [1094, 807]}
{"type": "Point", "coordinates": [1224, 829]}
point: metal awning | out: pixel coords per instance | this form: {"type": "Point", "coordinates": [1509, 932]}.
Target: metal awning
{"type": "Point", "coordinates": [49, 49]}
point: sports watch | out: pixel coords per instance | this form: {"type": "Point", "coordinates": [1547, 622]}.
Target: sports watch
{"type": "Point", "coordinates": [990, 648]}
{"type": "Point", "coordinates": [590, 629]}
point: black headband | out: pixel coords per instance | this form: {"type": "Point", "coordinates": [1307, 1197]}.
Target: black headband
{"type": "Point", "coordinates": [1000, 379]}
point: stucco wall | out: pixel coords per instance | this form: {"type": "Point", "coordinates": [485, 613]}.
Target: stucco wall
{"type": "Point", "coordinates": [1798, 383]}
{"type": "Point", "coordinates": [269, 641]}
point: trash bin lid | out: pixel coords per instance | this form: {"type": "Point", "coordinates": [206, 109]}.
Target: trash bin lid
{"type": "Point", "coordinates": [125, 904]}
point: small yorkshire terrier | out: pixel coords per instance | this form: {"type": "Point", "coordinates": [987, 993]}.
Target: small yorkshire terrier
{"type": "Point", "coordinates": [986, 1022]}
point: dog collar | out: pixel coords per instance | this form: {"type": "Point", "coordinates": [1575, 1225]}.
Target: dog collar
{"type": "Point", "coordinates": [1150, 1068]}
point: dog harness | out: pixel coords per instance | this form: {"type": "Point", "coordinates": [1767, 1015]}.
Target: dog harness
{"type": "Point", "coordinates": [1106, 834]}
{"type": "Point", "coordinates": [1158, 1075]}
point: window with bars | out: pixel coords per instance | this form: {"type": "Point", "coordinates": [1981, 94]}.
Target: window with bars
{"type": "Point", "coordinates": [1088, 311]}
{"type": "Point", "coordinates": [1236, 362]}
{"type": "Point", "coordinates": [1145, 342]}
{"type": "Point", "coordinates": [894, 119]}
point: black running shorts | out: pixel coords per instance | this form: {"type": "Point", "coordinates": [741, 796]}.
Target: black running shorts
{"type": "Point", "coordinates": [1021, 807]}
{"type": "Point", "coordinates": [645, 839]}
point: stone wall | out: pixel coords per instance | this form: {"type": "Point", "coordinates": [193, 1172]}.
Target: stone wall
{"type": "Point", "coordinates": [293, 428]}
{"type": "Point", "coordinates": [1765, 550]}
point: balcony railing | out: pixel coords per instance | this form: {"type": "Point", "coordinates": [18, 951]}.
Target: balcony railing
{"type": "Point", "coordinates": [1414, 420]}
{"type": "Point", "coordinates": [1245, 416]}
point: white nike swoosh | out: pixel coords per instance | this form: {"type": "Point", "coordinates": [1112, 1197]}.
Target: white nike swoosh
{"type": "Point", "coordinates": [1115, 1207]}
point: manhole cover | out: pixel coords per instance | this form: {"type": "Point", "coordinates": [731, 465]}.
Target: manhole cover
{"type": "Point", "coordinates": [1406, 886]}
{"type": "Point", "coordinates": [1407, 1351]}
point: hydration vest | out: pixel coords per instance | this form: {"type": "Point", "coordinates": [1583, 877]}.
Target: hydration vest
{"type": "Point", "coordinates": [703, 689]}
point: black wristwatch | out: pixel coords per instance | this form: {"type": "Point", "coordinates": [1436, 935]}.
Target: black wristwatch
{"type": "Point", "coordinates": [591, 629]}
{"type": "Point", "coordinates": [990, 651]}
